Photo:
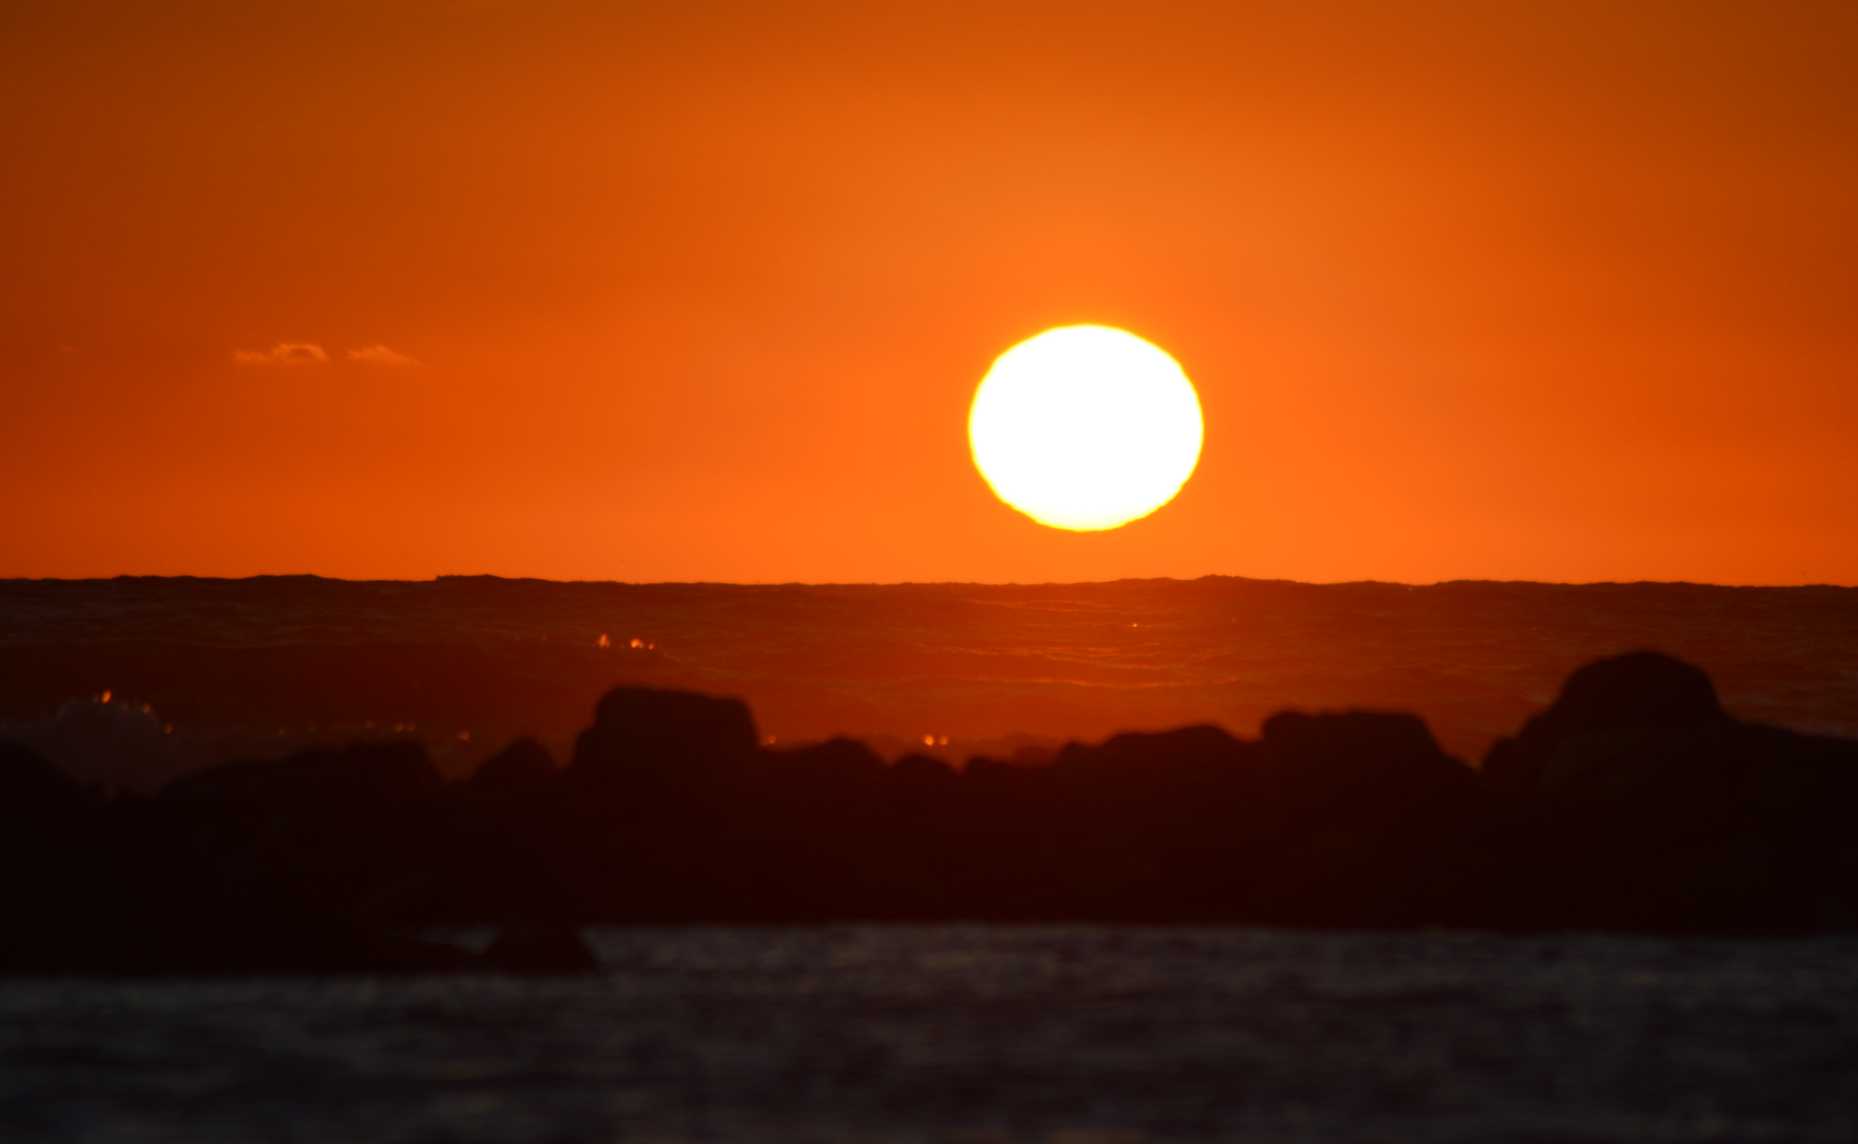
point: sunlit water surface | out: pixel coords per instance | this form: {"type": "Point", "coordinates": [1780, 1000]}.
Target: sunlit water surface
{"type": "Point", "coordinates": [966, 1033]}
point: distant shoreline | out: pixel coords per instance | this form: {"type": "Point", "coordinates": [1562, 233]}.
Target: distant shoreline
{"type": "Point", "coordinates": [1213, 577]}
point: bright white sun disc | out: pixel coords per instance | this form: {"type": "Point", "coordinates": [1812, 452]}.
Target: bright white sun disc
{"type": "Point", "coordinates": [1085, 427]}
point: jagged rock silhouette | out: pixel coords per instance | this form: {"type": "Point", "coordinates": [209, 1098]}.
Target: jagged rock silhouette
{"type": "Point", "coordinates": [522, 766]}
{"type": "Point", "coordinates": [1634, 801]}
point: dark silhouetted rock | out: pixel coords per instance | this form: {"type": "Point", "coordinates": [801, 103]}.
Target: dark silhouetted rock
{"type": "Point", "coordinates": [1616, 722]}
{"type": "Point", "coordinates": [1366, 821]}
{"type": "Point", "coordinates": [351, 832]}
{"type": "Point", "coordinates": [837, 759]}
{"type": "Point", "coordinates": [642, 731]}
{"type": "Point", "coordinates": [1205, 749]}
{"type": "Point", "coordinates": [923, 772]}
{"type": "Point", "coordinates": [523, 765]}
{"type": "Point", "coordinates": [54, 866]}
{"type": "Point", "coordinates": [32, 789]}
{"type": "Point", "coordinates": [1633, 802]}
{"type": "Point", "coordinates": [1639, 689]}
{"type": "Point", "coordinates": [1636, 802]}
{"type": "Point", "coordinates": [396, 771]}
{"type": "Point", "coordinates": [1342, 750]}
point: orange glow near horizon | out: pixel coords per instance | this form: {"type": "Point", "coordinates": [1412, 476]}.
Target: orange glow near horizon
{"type": "Point", "coordinates": [701, 291]}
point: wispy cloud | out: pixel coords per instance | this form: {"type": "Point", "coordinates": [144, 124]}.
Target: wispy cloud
{"type": "Point", "coordinates": [283, 353]}
{"type": "Point", "coordinates": [381, 355]}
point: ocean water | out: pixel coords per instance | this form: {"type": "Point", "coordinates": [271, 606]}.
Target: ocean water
{"type": "Point", "coordinates": [257, 668]}
{"type": "Point", "coordinates": [972, 1033]}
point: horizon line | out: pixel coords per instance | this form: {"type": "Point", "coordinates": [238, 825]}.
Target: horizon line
{"type": "Point", "coordinates": [442, 577]}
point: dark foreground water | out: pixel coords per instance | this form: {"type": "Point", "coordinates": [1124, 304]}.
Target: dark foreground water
{"type": "Point", "coordinates": [957, 1033]}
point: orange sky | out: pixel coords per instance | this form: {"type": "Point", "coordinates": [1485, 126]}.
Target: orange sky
{"type": "Point", "coordinates": [702, 292]}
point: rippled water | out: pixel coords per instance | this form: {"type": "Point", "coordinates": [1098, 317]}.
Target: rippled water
{"type": "Point", "coordinates": [1072, 1034]}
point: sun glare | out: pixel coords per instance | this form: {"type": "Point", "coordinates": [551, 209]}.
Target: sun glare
{"type": "Point", "coordinates": [1085, 428]}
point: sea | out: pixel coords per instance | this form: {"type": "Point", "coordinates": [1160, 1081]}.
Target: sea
{"type": "Point", "coordinates": [972, 1033]}
{"type": "Point", "coordinates": [128, 683]}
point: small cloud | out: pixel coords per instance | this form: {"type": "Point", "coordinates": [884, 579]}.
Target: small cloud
{"type": "Point", "coordinates": [283, 353]}
{"type": "Point", "coordinates": [381, 355]}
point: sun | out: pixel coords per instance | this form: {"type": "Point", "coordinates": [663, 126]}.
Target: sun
{"type": "Point", "coordinates": [1085, 428]}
